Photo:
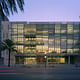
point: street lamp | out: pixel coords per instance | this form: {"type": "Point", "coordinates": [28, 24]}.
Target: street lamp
{"type": "Point", "coordinates": [45, 59]}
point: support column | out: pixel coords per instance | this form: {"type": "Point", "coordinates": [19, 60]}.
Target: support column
{"type": "Point", "coordinates": [69, 59]}
{"type": "Point", "coordinates": [47, 60]}
{"type": "Point", "coordinates": [58, 60]}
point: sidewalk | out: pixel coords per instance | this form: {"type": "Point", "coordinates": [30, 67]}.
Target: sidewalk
{"type": "Point", "coordinates": [39, 72]}
{"type": "Point", "coordinates": [41, 66]}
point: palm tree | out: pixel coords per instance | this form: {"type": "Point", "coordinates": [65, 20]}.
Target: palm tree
{"type": "Point", "coordinates": [10, 6]}
{"type": "Point", "coordinates": [9, 45]}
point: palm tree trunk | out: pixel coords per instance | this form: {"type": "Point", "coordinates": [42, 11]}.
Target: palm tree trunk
{"type": "Point", "coordinates": [9, 58]}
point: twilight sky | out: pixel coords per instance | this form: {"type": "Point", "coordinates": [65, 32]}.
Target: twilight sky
{"type": "Point", "coordinates": [48, 10]}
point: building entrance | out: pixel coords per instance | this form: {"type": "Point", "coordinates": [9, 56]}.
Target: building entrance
{"type": "Point", "coordinates": [56, 60]}
{"type": "Point", "coordinates": [40, 60]}
{"type": "Point", "coordinates": [51, 60]}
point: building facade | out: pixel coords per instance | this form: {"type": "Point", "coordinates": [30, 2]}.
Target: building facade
{"type": "Point", "coordinates": [50, 42]}
{"type": "Point", "coordinates": [5, 34]}
{"type": "Point", "coordinates": [54, 42]}
{"type": "Point", "coordinates": [5, 19]}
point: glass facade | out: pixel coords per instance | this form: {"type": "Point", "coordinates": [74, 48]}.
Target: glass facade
{"type": "Point", "coordinates": [57, 40]}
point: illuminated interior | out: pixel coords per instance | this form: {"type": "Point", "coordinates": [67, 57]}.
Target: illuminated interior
{"type": "Point", "coordinates": [32, 39]}
{"type": "Point", "coordinates": [30, 60]}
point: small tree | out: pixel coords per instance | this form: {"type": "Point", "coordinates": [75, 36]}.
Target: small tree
{"type": "Point", "coordinates": [8, 45]}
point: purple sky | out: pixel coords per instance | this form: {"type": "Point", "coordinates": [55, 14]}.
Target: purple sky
{"type": "Point", "coordinates": [48, 10]}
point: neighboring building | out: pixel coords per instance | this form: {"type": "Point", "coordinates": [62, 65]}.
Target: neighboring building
{"type": "Point", "coordinates": [5, 19]}
{"type": "Point", "coordinates": [53, 42]}
{"type": "Point", "coordinates": [5, 35]}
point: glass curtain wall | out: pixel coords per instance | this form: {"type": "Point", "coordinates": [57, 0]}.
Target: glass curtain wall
{"type": "Point", "coordinates": [34, 40]}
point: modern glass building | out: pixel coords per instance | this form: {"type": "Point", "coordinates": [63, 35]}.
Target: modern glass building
{"type": "Point", "coordinates": [53, 42]}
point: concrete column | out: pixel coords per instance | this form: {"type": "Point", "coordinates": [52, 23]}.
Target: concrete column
{"type": "Point", "coordinates": [58, 60]}
{"type": "Point", "coordinates": [68, 59]}
{"type": "Point", "coordinates": [47, 60]}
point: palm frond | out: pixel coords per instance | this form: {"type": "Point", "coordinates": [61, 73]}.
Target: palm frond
{"type": "Point", "coordinates": [20, 3]}
{"type": "Point", "coordinates": [13, 50]}
{"type": "Point", "coordinates": [3, 47]}
{"type": "Point", "coordinates": [7, 44]}
{"type": "Point", "coordinates": [10, 6]}
{"type": "Point", "coordinates": [5, 7]}
{"type": "Point", "coordinates": [1, 12]}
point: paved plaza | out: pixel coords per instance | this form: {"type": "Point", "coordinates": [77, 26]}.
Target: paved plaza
{"type": "Point", "coordinates": [56, 72]}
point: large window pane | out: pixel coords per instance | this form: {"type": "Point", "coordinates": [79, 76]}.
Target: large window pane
{"type": "Point", "coordinates": [70, 28]}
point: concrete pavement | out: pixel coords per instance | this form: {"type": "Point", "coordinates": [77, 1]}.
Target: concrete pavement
{"type": "Point", "coordinates": [58, 72]}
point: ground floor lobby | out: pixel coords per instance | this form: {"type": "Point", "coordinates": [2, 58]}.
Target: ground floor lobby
{"type": "Point", "coordinates": [67, 59]}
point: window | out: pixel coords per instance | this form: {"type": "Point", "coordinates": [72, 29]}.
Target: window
{"type": "Point", "coordinates": [20, 48]}
{"type": "Point", "coordinates": [76, 50]}
{"type": "Point", "coordinates": [14, 31]}
{"type": "Point", "coordinates": [20, 40]}
{"type": "Point", "coordinates": [20, 31]}
{"type": "Point", "coordinates": [69, 50]}
{"type": "Point", "coordinates": [69, 43]}
{"type": "Point", "coordinates": [63, 51]}
{"type": "Point", "coordinates": [20, 26]}
{"type": "Point", "coordinates": [63, 28]}
{"type": "Point", "coordinates": [70, 28]}
{"type": "Point", "coordinates": [14, 26]}
{"type": "Point", "coordinates": [30, 60]}
{"type": "Point", "coordinates": [76, 28]}
{"type": "Point", "coordinates": [76, 31]}
{"type": "Point", "coordinates": [39, 48]}
{"type": "Point", "coordinates": [14, 38]}
{"type": "Point", "coordinates": [63, 43]}
{"type": "Point", "coordinates": [51, 50]}
{"type": "Point", "coordinates": [57, 28]}
{"type": "Point", "coordinates": [57, 50]}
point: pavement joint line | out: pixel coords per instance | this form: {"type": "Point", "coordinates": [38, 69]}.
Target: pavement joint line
{"type": "Point", "coordinates": [10, 73]}
{"type": "Point", "coordinates": [7, 70]}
